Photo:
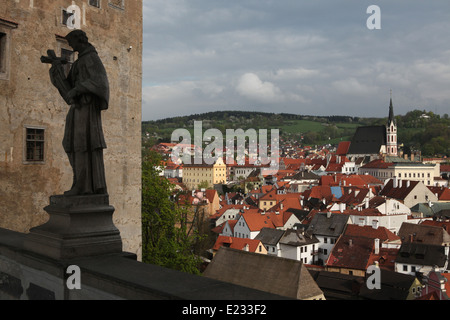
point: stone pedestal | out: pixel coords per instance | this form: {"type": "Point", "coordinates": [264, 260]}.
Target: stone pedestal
{"type": "Point", "coordinates": [79, 226]}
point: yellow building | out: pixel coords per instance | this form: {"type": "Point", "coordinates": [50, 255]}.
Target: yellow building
{"type": "Point", "coordinates": [202, 174]}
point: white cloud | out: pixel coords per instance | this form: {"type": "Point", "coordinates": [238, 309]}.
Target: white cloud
{"type": "Point", "coordinates": [352, 86]}
{"type": "Point", "coordinates": [252, 87]}
{"type": "Point", "coordinates": [304, 56]}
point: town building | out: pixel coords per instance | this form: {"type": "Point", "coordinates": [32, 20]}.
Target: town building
{"type": "Point", "coordinates": [413, 171]}
{"type": "Point", "coordinates": [327, 228]}
{"type": "Point", "coordinates": [204, 174]}
{"type": "Point", "coordinates": [33, 164]}
{"type": "Point", "coordinates": [414, 257]}
{"type": "Point", "coordinates": [409, 192]}
{"type": "Point", "coordinates": [271, 240]}
{"type": "Point", "coordinates": [299, 245]}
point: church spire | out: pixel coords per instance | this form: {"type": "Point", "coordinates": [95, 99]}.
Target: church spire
{"type": "Point", "coordinates": [391, 112]}
{"type": "Point", "coordinates": [391, 132]}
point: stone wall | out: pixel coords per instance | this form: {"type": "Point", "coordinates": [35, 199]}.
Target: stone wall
{"type": "Point", "coordinates": [27, 275]}
{"type": "Point", "coordinates": [28, 99]}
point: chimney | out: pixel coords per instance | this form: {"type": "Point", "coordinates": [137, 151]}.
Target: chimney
{"type": "Point", "coordinates": [350, 242]}
{"type": "Point", "coordinates": [341, 207]}
{"type": "Point", "coordinates": [407, 183]}
{"type": "Point", "coordinates": [328, 214]}
{"type": "Point", "coordinates": [367, 203]}
{"type": "Point", "coordinates": [375, 224]}
{"type": "Point", "coordinates": [377, 246]}
{"type": "Point", "coordinates": [395, 182]}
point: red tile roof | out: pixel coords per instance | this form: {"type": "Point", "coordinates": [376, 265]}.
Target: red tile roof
{"type": "Point", "coordinates": [355, 249]}
{"type": "Point", "coordinates": [442, 224]}
{"type": "Point", "coordinates": [351, 252]}
{"type": "Point", "coordinates": [359, 180]}
{"type": "Point", "coordinates": [237, 243]}
{"type": "Point", "coordinates": [369, 232]}
{"type": "Point", "coordinates": [342, 148]}
{"type": "Point", "coordinates": [443, 194]}
{"type": "Point", "coordinates": [319, 192]}
{"type": "Point", "coordinates": [399, 193]}
{"type": "Point", "coordinates": [257, 221]}
{"type": "Point", "coordinates": [377, 164]}
{"type": "Point", "coordinates": [226, 207]}
{"type": "Point", "coordinates": [354, 195]}
{"type": "Point", "coordinates": [385, 258]}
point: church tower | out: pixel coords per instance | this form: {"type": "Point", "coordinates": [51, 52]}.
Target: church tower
{"type": "Point", "coordinates": [391, 132]}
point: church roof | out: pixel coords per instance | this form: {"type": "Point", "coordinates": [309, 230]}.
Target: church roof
{"type": "Point", "coordinates": [368, 140]}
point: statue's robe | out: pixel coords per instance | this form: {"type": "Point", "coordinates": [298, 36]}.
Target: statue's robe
{"type": "Point", "coordinates": [83, 136]}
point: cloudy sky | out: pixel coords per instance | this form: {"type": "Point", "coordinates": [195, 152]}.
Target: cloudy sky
{"type": "Point", "coordinates": [310, 57]}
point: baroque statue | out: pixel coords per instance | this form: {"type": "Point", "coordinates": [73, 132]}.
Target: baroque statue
{"type": "Point", "coordinates": [86, 90]}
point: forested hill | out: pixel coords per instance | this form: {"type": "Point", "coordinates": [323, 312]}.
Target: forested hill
{"type": "Point", "coordinates": [246, 117]}
{"type": "Point", "coordinates": [417, 130]}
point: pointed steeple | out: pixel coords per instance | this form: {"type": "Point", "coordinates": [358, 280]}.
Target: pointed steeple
{"type": "Point", "coordinates": [391, 112]}
{"type": "Point", "coordinates": [391, 132]}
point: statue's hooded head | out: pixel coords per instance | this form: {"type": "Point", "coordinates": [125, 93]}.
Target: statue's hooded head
{"type": "Point", "coordinates": [76, 38]}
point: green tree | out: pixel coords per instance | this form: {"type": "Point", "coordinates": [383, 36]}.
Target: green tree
{"type": "Point", "coordinates": [165, 240]}
{"type": "Point", "coordinates": [204, 185]}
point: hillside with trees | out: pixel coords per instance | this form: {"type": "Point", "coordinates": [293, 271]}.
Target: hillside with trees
{"type": "Point", "coordinates": [418, 130]}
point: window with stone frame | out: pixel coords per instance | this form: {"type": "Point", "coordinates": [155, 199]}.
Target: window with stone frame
{"type": "Point", "coordinates": [5, 47]}
{"type": "Point", "coordinates": [69, 56]}
{"type": "Point", "coordinates": [94, 3]}
{"type": "Point", "coordinates": [120, 4]}
{"type": "Point", "coordinates": [3, 40]}
{"type": "Point", "coordinates": [65, 16]}
{"type": "Point", "coordinates": [65, 52]}
{"type": "Point", "coordinates": [34, 144]}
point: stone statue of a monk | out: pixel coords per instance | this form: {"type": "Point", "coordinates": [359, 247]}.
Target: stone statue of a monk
{"type": "Point", "coordinates": [86, 90]}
